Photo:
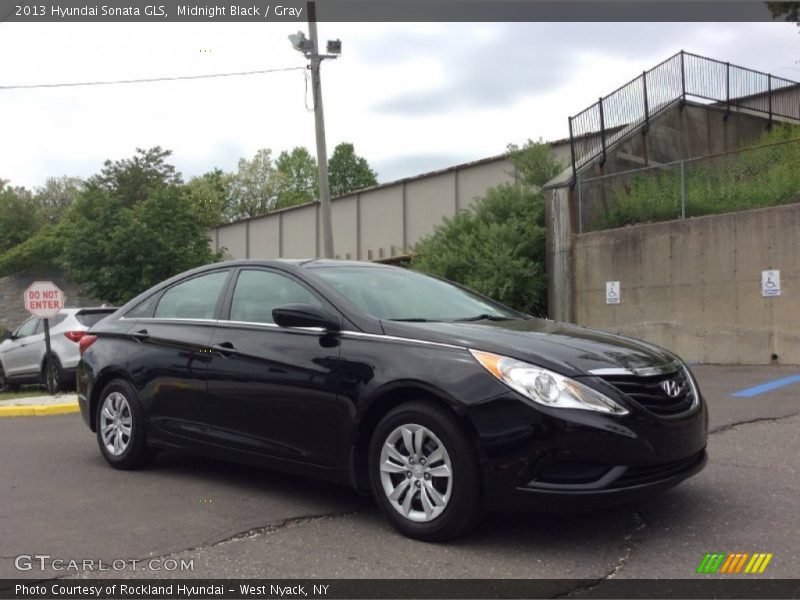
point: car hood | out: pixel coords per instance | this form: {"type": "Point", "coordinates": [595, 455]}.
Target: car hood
{"type": "Point", "coordinates": [568, 349]}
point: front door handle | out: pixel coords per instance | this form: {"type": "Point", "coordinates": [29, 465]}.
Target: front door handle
{"type": "Point", "coordinates": [224, 348]}
{"type": "Point", "coordinates": [140, 335]}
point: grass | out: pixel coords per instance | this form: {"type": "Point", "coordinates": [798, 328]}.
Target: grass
{"type": "Point", "coordinates": [24, 392]}
{"type": "Point", "coordinates": [766, 175]}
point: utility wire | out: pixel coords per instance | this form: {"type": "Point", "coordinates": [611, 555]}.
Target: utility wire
{"type": "Point", "coordinates": [148, 79]}
{"type": "Point", "coordinates": [305, 95]}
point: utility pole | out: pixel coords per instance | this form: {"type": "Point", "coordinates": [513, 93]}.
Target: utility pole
{"type": "Point", "coordinates": [310, 49]}
{"type": "Point", "coordinates": [322, 149]}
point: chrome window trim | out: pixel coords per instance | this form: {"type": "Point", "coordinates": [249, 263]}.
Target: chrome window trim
{"type": "Point", "coordinates": [346, 333]}
{"type": "Point", "coordinates": [270, 326]}
{"type": "Point", "coordinates": [166, 319]}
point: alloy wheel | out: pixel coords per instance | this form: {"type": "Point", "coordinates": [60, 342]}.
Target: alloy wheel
{"type": "Point", "coordinates": [416, 473]}
{"type": "Point", "coordinates": [116, 423]}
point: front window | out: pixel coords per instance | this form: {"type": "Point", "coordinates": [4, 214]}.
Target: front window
{"type": "Point", "coordinates": [193, 299]}
{"type": "Point", "coordinates": [258, 292]}
{"type": "Point", "coordinates": [403, 295]}
{"type": "Point", "coordinates": [27, 328]}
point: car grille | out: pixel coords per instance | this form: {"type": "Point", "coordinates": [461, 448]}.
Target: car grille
{"type": "Point", "coordinates": [649, 392]}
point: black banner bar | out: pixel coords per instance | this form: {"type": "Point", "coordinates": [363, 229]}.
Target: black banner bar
{"type": "Point", "coordinates": [385, 11]}
{"type": "Point", "coordinates": [333, 589]}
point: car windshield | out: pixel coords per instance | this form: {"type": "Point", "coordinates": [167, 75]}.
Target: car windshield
{"type": "Point", "coordinates": [401, 295]}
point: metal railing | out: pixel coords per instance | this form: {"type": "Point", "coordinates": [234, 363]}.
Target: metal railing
{"type": "Point", "coordinates": [671, 82]}
{"type": "Point", "coordinates": [766, 175]}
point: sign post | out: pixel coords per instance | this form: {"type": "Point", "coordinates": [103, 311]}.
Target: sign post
{"type": "Point", "coordinates": [44, 299]}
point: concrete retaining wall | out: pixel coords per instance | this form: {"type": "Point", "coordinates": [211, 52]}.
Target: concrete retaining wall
{"type": "Point", "coordinates": [694, 286]}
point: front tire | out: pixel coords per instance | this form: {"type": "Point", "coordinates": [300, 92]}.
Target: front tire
{"type": "Point", "coordinates": [5, 386]}
{"type": "Point", "coordinates": [121, 427]}
{"type": "Point", "coordinates": [424, 472]}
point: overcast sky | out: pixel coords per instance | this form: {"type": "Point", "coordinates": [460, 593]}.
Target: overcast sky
{"type": "Point", "coordinates": [411, 97]}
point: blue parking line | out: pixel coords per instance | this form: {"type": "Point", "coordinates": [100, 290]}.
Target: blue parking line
{"type": "Point", "coordinates": [766, 387]}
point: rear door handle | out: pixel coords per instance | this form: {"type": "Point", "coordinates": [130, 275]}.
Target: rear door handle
{"type": "Point", "coordinates": [140, 335]}
{"type": "Point", "coordinates": [224, 348]}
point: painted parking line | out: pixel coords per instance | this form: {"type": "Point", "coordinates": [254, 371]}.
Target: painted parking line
{"type": "Point", "coordinates": [766, 387]}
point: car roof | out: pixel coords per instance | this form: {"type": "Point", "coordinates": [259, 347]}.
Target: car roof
{"type": "Point", "coordinates": [304, 263]}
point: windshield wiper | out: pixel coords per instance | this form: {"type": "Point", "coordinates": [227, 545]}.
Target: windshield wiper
{"type": "Point", "coordinates": [413, 320]}
{"type": "Point", "coordinates": [484, 317]}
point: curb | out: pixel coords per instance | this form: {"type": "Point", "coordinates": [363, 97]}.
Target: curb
{"type": "Point", "coordinates": [39, 410]}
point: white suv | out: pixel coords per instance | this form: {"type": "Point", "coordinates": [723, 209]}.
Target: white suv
{"type": "Point", "coordinates": [22, 354]}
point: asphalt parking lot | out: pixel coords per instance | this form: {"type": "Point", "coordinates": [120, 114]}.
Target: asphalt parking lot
{"type": "Point", "coordinates": [58, 497]}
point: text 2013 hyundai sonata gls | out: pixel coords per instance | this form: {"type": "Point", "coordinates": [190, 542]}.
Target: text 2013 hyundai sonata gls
{"type": "Point", "coordinates": [438, 400]}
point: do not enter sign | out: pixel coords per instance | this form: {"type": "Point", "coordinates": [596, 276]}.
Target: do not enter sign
{"type": "Point", "coordinates": [44, 299]}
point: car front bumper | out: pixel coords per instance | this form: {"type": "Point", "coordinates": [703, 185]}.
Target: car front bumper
{"type": "Point", "coordinates": [558, 459]}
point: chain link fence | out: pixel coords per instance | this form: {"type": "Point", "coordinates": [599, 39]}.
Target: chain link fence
{"type": "Point", "coordinates": [766, 175]}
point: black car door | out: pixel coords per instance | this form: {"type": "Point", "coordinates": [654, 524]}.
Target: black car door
{"type": "Point", "coordinates": [273, 390]}
{"type": "Point", "coordinates": [169, 353]}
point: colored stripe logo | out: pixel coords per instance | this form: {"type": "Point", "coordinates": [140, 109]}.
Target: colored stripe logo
{"type": "Point", "coordinates": [735, 563]}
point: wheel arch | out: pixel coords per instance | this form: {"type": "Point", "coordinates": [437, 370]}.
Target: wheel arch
{"type": "Point", "coordinates": [378, 408]}
{"type": "Point", "coordinates": [100, 383]}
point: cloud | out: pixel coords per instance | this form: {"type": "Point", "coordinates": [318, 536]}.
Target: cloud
{"type": "Point", "coordinates": [495, 66]}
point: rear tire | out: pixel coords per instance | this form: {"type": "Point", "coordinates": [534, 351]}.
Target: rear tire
{"type": "Point", "coordinates": [121, 427]}
{"type": "Point", "coordinates": [424, 472]}
{"type": "Point", "coordinates": [54, 378]}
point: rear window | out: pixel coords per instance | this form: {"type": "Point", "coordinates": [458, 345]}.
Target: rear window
{"type": "Point", "coordinates": [87, 319]}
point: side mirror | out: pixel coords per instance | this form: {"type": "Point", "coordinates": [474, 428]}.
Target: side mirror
{"type": "Point", "coordinates": [7, 335]}
{"type": "Point", "coordinates": [305, 315]}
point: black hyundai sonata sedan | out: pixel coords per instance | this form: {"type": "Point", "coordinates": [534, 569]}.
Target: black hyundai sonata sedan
{"type": "Point", "coordinates": [437, 400]}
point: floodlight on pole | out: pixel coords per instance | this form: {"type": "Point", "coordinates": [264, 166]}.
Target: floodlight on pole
{"type": "Point", "coordinates": [309, 48]}
{"type": "Point", "coordinates": [301, 43]}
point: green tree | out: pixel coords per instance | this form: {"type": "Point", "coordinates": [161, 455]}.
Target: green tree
{"type": "Point", "coordinates": [297, 177]}
{"type": "Point", "coordinates": [132, 180]}
{"type": "Point", "coordinates": [134, 225]}
{"type": "Point", "coordinates": [42, 250]}
{"type": "Point", "coordinates": [533, 162]}
{"type": "Point", "coordinates": [254, 187]}
{"type": "Point", "coordinates": [497, 247]}
{"type": "Point", "coordinates": [790, 11]}
{"type": "Point", "coordinates": [347, 171]}
{"type": "Point", "coordinates": [210, 194]}
{"type": "Point", "coordinates": [19, 216]}
{"type": "Point", "coordinates": [56, 196]}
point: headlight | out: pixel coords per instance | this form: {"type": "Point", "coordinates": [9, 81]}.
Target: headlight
{"type": "Point", "coordinates": [546, 387]}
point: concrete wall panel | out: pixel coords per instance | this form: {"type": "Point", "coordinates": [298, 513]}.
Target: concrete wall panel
{"type": "Point", "coordinates": [381, 225]}
{"type": "Point", "coordinates": [694, 286]}
{"type": "Point", "coordinates": [265, 238]}
{"type": "Point", "coordinates": [428, 202]}
{"type": "Point", "coordinates": [234, 238]}
{"type": "Point", "coordinates": [300, 232]}
{"type": "Point", "coordinates": [344, 214]}
{"type": "Point", "coordinates": [473, 182]}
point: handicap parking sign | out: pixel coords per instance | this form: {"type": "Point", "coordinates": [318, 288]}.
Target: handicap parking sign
{"type": "Point", "coordinates": [770, 283]}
